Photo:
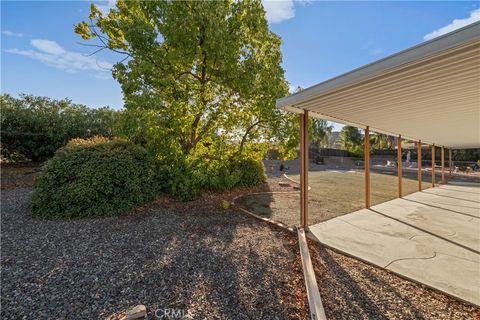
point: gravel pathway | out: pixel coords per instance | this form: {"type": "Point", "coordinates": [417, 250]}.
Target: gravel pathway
{"type": "Point", "coordinates": [216, 265]}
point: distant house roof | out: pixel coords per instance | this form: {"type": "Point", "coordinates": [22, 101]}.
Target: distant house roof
{"type": "Point", "coordinates": [430, 92]}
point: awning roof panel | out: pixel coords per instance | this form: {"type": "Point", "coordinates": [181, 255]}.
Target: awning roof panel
{"type": "Point", "coordinates": [430, 92]}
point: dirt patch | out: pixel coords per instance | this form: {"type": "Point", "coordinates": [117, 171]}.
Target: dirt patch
{"type": "Point", "coordinates": [19, 175]}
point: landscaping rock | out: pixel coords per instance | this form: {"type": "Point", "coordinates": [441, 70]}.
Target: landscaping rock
{"type": "Point", "coordinates": [138, 312]}
{"type": "Point", "coordinates": [198, 260]}
{"type": "Point", "coordinates": [190, 258]}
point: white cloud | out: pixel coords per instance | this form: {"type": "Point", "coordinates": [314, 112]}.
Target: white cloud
{"type": "Point", "coordinates": [103, 76]}
{"type": "Point", "coordinates": [455, 24]}
{"type": "Point", "coordinates": [105, 6]}
{"type": "Point", "coordinates": [372, 48]}
{"type": "Point", "coordinates": [12, 34]}
{"type": "Point", "coordinates": [376, 51]}
{"type": "Point", "coordinates": [295, 88]}
{"type": "Point", "coordinates": [304, 2]}
{"type": "Point", "coordinates": [53, 55]}
{"type": "Point", "coordinates": [47, 46]}
{"type": "Point", "coordinates": [279, 10]}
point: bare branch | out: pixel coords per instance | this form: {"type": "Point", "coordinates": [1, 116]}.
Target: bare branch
{"type": "Point", "coordinates": [96, 51]}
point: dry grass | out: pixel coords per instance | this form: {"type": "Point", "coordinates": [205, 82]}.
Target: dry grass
{"type": "Point", "coordinates": [333, 193]}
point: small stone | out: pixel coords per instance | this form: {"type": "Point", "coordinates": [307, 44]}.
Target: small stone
{"type": "Point", "coordinates": [138, 312]}
{"type": "Point", "coordinates": [284, 184]}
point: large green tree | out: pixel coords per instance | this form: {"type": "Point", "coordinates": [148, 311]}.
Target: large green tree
{"type": "Point", "coordinates": [351, 139]}
{"type": "Point", "coordinates": [320, 132]}
{"type": "Point", "coordinates": [201, 77]}
{"type": "Point", "coordinates": [381, 141]}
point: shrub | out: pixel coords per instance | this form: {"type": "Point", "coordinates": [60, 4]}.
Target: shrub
{"type": "Point", "coordinates": [35, 127]}
{"type": "Point", "coordinates": [222, 177]}
{"type": "Point", "coordinates": [251, 171]}
{"type": "Point", "coordinates": [185, 182]}
{"type": "Point", "coordinates": [185, 187]}
{"type": "Point", "coordinates": [94, 177]}
{"type": "Point", "coordinates": [188, 177]}
{"type": "Point", "coordinates": [319, 160]}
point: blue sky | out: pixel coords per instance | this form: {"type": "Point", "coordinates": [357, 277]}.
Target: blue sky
{"type": "Point", "coordinates": [41, 55]}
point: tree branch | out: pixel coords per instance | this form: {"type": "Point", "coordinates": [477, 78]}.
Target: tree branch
{"type": "Point", "coordinates": [245, 136]}
{"type": "Point", "coordinates": [188, 73]}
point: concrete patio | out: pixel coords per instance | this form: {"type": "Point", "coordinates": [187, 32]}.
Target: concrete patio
{"type": "Point", "coordinates": [432, 237]}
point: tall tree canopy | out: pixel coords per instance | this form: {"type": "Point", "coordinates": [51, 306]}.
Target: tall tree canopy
{"type": "Point", "coordinates": [202, 75]}
{"type": "Point", "coordinates": [320, 132]}
{"type": "Point", "coordinates": [381, 141]}
{"type": "Point", "coordinates": [351, 139]}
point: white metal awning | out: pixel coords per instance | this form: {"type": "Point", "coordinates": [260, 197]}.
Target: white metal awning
{"type": "Point", "coordinates": [430, 92]}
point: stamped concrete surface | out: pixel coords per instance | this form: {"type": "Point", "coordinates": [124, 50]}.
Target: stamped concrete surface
{"type": "Point", "coordinates": [432, 237]}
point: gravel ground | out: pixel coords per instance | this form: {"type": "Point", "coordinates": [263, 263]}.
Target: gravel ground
{"type": "Point", "coordinates": [351, 289]}
{"type": "Point", "coordinates": [213, 264]}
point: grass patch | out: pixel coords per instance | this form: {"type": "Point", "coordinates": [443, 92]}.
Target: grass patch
{"type": "Point", "coordinates": [332, 194]}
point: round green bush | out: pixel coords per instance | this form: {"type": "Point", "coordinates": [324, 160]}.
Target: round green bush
{"type": "Point", "coordinates": [222, 176]}
{"type": "Point", "coordinates": [94, 177]}
{"type": "Point", "coordinates": [252, 172]}
{"type": "Point", "coordinates": [185, 184]}
{"type": "Point", "coordinates": [187, 178]}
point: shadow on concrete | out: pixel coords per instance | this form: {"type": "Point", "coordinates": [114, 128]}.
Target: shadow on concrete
{"type": "Point", "coordinates": [456, 198]}
{"type": "Point", "coordinates": [425, 230]}
{"type": "Point", "coordinates": [443, 208]}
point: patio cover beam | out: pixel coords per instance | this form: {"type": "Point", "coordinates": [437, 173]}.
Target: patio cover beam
{"type": "Point", "coordinates": [433, 165]}
{"type": "Point", "coordinates": [304, 170]}
{"type": "Point", "coordinates": [442, 156]}
{"type": "Point", "coordinates": [399, 165]}
{"type": "Point", "coordinates": [419, 164]}
{"type": "Point", "coordinates": [367, 167]}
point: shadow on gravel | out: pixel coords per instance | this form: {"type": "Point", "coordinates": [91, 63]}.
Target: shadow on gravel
{"type": "Point", "coordinates": [351, 289]}
{"type": "Point", "coordinates": [259, 204]}
{"type": "Point", "coordinates": [347, 292]}
{"type": "Point", "coordinates": [220, 264]}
